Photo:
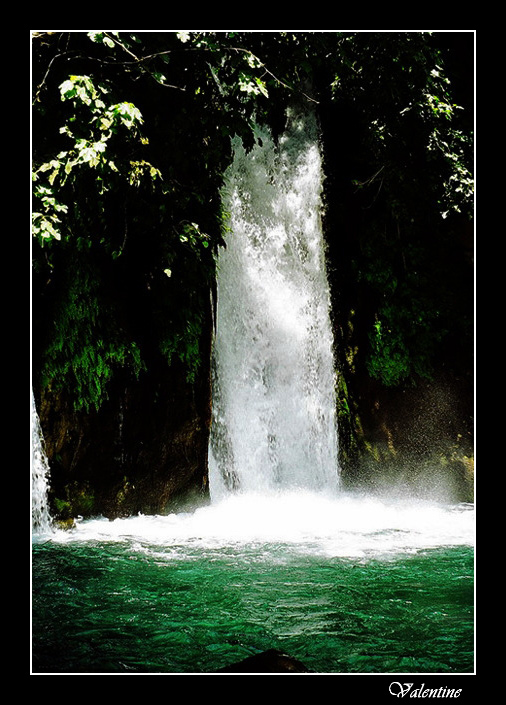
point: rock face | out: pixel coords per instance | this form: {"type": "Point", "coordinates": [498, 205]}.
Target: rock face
{"type": "Point", "coordinates": [270, 661]}
{"type": "Point", "coordinates": [144, 451]}
{"type": "Point", "coordinates": [416, 440]}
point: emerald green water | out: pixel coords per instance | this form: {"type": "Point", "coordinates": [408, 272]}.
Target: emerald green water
{"type": "Point", "coordinates": [156, 595]}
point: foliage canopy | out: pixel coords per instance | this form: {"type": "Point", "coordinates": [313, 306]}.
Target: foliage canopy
{"type": "Point", "coordinates": [131, 137]}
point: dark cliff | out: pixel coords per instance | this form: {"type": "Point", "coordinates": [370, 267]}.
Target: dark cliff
{"type": "Point", "coordinates": [122, 321]}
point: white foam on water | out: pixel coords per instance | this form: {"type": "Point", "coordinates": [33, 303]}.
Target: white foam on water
{"type": "Point", "coordinates": [348, 526]}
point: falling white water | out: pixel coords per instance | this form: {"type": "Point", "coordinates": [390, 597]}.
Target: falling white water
{"type": "Point", "coordinates": [41, 519]}
{"type": "Point", "coordinates": [274, 425]}
{"type": "Point", "coordinates": [274, 435]}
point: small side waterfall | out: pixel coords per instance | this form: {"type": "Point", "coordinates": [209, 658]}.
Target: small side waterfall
{"type": "Point", "coordinates": [41, 519]}
{"type": "Point", "coordinates": [274, 421]}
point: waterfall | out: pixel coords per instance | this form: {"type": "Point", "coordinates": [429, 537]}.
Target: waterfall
{"type": "Point", "coordinates": [41, 519]}
{"type": "Point", "coordinates": [274, 418]}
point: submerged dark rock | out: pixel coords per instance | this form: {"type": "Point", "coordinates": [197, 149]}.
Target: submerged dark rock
{"type": "Point", "coordinates": [270, 661]}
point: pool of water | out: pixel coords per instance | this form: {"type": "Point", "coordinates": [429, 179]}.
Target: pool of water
{"type": "Point", "coordinates": [348, 586]}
